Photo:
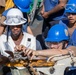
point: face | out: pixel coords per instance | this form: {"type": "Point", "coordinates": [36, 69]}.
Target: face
{"type": "Point", "coordinates": [71, 17]}
{"type": "Point", "coordinates": [16, 30]}
{"type": "Point", "coordinates": [56, 45]}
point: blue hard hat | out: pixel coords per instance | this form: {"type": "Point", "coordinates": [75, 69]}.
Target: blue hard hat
{"type": "Point", "coordinates": [70, 6]}
{"type": "Point", "coordinates": [23, 5]}
{"type": "Point", "coordinates": [57, 33]}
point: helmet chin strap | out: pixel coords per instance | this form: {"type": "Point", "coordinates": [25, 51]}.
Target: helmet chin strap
{"type": "Point", "coordinates": [7, 32]}
{"type": "Point", "coordinates": [63, 47]}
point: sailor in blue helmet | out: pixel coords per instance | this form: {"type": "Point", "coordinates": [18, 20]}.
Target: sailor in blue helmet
{"type": "Point", "coordinates": [57, 37]}
{"type": "Point", "coordinates": [70, 11]}
{"type": "Point", "coordinates": [24, 6]}
{"type": "Point", "coordinates": [56, 41]}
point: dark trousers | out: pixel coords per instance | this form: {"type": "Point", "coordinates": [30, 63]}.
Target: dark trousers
{"type": "Point", "coordinates": [47, 24]}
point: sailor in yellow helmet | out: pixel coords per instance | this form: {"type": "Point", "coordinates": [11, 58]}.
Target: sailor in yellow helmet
{"type": "Point", "coordinates": [5, 4]}
{"type": "Point", "coordinates": [9, 4]}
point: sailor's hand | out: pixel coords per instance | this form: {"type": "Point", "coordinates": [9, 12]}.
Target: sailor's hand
{"type": "Point", "coordinates": [20, 48]}
{"type": "Point", "coordinates": [30, 53]}
{"type": "Point", "coordinates": [45, 15]}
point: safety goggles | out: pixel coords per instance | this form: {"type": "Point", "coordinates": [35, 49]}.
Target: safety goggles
{"type": "Point", "coordinates": [70, 7]}
{"type": "Point", "coordinates": [15, 20]}
{"type": "Point", "coordinates": [48, 44]}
